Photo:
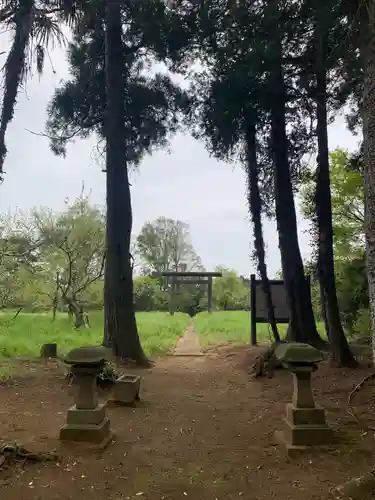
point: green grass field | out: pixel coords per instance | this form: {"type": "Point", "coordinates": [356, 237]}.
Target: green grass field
{"type": "Point", "coordinates": [24, 335]}
{"type": "Point", "coordinates": [234, 326]}
{"type": "Point", "coordinates": [229, 326]}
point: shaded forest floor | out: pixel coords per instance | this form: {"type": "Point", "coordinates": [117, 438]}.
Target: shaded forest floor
{"type": "Point", "coordinates": [203, 430]}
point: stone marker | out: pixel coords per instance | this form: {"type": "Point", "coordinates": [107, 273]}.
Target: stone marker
{"type": "Point", "coordinates": [86, 420]}
{"type": "Point", "coordinates": [48, 351]}
{"type": "Point", "coordinates": [304, 424]}
{"type": "Point", "coordinates": [126, 389]}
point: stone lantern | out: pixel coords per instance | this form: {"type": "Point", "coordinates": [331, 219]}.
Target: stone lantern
{"type": "Point", "coordinates": [86, 420]}
{"type": "Point", "coordinates": [304, 424]}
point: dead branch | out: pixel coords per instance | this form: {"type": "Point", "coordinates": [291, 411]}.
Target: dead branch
{"type": "Point", "coordinates": [17, 313]}
{"type": "Point", "coordinates": [95, 278]}
{"type": "Point", "coordinates": [352, 394]}
{"type": "Point", "coordinates": [64, 291]}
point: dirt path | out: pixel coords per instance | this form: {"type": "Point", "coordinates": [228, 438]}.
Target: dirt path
{"type": "Point", "coordinates": [203, 430]}
{"type": "Point", "coordinates": [188, 345]}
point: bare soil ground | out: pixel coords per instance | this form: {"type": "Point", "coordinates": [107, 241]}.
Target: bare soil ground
{"type": "Point", "coordinates": [203, 430]}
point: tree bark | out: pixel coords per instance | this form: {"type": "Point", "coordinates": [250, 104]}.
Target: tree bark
{"type": "Point", "coordinates": [341, 353]}
{"type": "Point", "coordinates": [120, 323]}
{"type": "Point", "coordinates": [54, 308]}
{"type": "Point", "coordinates": [302, 321]}
{"type": "Point", "coordinates": [368, 117]}
{"type": "Point", "coordinates": [255, 205]}
{"type": "Point", "coordinates": [76, 310]}
{"type": "Point", "coordinates": [79, 318]}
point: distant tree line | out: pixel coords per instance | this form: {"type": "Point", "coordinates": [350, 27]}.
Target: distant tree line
{"type": "Point", "coordinates": [54, 261]}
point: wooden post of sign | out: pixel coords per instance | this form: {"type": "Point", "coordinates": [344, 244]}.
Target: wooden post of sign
{"type": "Point", "coordinates": [209, 294]}
{"type": "Point", "coordinates": [253, 315]}
{"type": "Point", "coordinates": [171, 297]}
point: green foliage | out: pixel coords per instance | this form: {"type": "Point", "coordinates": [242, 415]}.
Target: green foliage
{"type": "Point", "coordinates": [352, 288]}
{"type": "Point", "coordinates": [49, 259]}
{"type": "Point", "coordinates": [18, 257]}
{"type": "Point", "coordinates": [25, 335]}
{"type": "Point", "coordinates": [72, 250]}
{"type": "Point", "coordinates": [348, 227]}
{"type": "Point", "coordinates": [148, 295]}
{"type": "Point", "coordinates": [108, 373]}
{"type": "Point", "coordinates": [165, 245]}
{"type": "Point", "coordinates": [362, 325]}
{"type": "Point", "coordinates": [152, 102]}
{"type": "Point", "coordinates": [230, 292]}
{"type": "Point", "coordinates": [347, 192]}
{"type": "Point", "coordinates": [191, 299]}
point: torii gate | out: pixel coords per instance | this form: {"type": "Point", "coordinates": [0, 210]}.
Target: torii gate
{"type": "Point", "coordinates": [201, 278]}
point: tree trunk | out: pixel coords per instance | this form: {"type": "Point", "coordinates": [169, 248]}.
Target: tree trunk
{"type": "Point", "coordinates": [341, 353]}
{"type": "Point", "coordinates": [323, 304]}
{"type": "Point", "coordinates": [70, 308]}
{"type": "Point", "coordinates": [368, 117]}
{"type": "Point", "coordinates": [121, 327]}
{"type": "Point", "coordinates": [14, 67]}
{"type": "Point", "coordinates": [75, 310]}
{"type": "Point", "coordinates": [79, 318]}
{"type": "Point", "coordinates": [255, 205]}
{"type": "Point", "coordinates": [54, 308]}
{"type": "Point", "coordinates": [302, 326]}
{"type": "Point", "coordinates": [107, 339]}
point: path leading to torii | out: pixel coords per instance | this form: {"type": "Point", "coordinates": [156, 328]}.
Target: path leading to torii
{"type": "Point", "coordinates": [188, 345]}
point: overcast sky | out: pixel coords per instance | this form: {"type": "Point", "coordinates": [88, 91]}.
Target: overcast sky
{"type": "Point", "coordinates": [184, 183]}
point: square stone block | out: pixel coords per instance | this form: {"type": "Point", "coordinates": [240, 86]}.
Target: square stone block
{"type": "Point", "coordinates": [126, 389]}
{"type": "Point", "coordinates": [95, 434]}
{"type": "Point", "coordinates": [291, 451]}
{"type": "Point", "coordinates": [305, 416]}
{"type": "Point", "coordinates": [307, 435]}
{"type": "Point", "coordinates": [78, 416]}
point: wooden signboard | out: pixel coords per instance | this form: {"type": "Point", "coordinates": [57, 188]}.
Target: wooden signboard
{"type": "Point", "coordinates": [258, 304]}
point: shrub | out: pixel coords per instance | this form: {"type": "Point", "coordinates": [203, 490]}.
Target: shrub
{"type": "Point", "coordinates": [362, 325]}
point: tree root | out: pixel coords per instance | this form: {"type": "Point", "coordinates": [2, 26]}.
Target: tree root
{"type": "Point", "coordinates": [265, 364]}
{"type": "Point", "coordinates": [357, 489]}
{"type": "Point", "coordinates": [352, 394]}
{"type": "Point", "coordinates": [15, 452]}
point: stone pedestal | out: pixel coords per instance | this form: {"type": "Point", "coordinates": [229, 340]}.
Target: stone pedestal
{"type": "Point", "coordinates": [86, 420]}
{"type": "Point", "coordinates": [304, 425]}
{"type": "Point", "coordinates": [126, 389]}
{"type": "Point", "coordinates": [306, 428]}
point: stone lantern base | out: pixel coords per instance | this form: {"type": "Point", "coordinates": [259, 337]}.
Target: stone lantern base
{"type": "Point", "coordinates": [87, 426]}
{"type": "Point", "coordinates": [304, 428]}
